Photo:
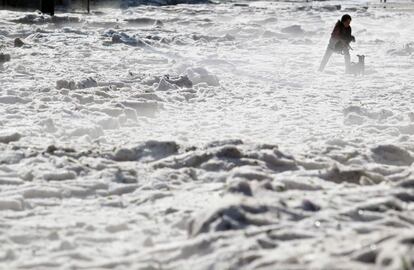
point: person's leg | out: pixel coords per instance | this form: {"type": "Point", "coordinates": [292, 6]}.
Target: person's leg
{"type": "Point", "coordinates": [347, 59]}
{"type": "Point", "coordinates": [325, 59]}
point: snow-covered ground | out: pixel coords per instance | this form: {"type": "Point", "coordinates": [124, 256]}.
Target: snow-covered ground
{"type": "Point", "coordinates": [202, 137]}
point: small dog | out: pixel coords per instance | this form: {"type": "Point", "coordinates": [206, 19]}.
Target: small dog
{"type": "Point", "coordinates": [358, 68]}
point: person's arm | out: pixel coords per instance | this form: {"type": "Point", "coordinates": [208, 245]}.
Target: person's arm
{"type": "Point", "coordinates": [349, 37]}
{"type": "Point", "coordinates": [350, 34]}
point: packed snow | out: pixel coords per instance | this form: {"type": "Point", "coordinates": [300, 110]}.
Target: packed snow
{"type": "Point", "coordinates": [203, 137]}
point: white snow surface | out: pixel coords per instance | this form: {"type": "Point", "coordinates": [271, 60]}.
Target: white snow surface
{"type": "Point", "coordinates": [202, 137]}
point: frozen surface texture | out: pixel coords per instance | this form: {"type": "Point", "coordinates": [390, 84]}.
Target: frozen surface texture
{"type": "Point", "coordinates": [202, 137]}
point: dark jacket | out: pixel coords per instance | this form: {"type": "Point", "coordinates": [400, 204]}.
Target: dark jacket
{"type": "Point", "coordinates": [341, 35]}
{"type": "Point", "coordinates": [341, 32]}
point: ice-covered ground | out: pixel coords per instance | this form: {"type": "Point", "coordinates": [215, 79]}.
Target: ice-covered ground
{"type": "Point", "coordinates": [202, 137]}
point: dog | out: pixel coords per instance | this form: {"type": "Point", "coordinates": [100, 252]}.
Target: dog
{"type": "Point", "coordinates": [358, 68]}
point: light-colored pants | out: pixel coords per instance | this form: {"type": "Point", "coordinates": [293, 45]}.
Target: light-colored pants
{"type": "Point", "coordinates": [330, 50]}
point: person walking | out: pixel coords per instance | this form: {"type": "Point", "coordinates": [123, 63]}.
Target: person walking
{"type": "Point", "coordinates": [341, 36]}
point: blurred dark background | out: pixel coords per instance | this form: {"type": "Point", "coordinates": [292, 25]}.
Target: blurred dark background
{"type": "Point", "coordinates": [36, 3]}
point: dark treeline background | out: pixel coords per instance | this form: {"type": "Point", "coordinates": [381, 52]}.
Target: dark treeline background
{"type": "Point", "coordinates": [35, 3]}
